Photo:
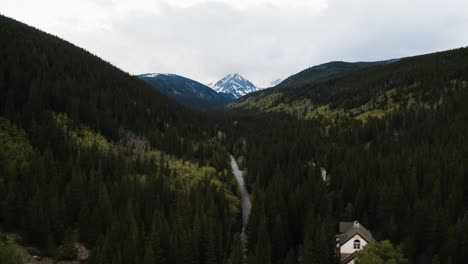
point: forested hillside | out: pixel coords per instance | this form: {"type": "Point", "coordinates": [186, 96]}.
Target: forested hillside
{"type": "Point", "coordinates": [92, 154]}
{"type": "Point", "coordinates": [370, 90]}
{"type": "Point", "coordinates": [325, 70]}
{"type": "Point", "coordinates": [393, 144]}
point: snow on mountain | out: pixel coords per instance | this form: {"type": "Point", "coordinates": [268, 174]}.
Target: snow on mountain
{"type": "Point", "coordinates": [268, 84]}
{"type": "Point", "coordinates": [234, 86]}
{"type": "Point", "coordinates": [184, 90]}
{"type": "Point", "coordinates": [153, 75]}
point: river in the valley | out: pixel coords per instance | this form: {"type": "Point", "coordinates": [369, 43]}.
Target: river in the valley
{"type": "Point", "coordinates": [245, 199]}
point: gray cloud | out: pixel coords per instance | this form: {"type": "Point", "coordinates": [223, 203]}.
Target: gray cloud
{"type": "Point", "coordinates": [262, 40]}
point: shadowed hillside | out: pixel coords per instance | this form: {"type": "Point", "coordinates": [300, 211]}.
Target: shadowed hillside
{"type": "Point", "coordinates": [92, 154]}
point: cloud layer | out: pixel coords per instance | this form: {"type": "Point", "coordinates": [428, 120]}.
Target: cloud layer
{"type": "Point", "coordinates": [262, 40]}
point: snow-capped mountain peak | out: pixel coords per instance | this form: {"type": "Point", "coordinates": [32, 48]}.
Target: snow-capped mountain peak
{"type": "Point", "coordinates": [234, 85]}
{"type": "Point", "coordinates": [184, 90]}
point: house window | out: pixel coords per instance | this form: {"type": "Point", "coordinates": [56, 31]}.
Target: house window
{"type": "Point", "coordinates": [357, 244]}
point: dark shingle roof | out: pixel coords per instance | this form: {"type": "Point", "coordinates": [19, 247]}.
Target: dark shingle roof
{"type": "Point", "coordinates": [349, 229]}
{"type": "Point", "coordinates": [348, 258]}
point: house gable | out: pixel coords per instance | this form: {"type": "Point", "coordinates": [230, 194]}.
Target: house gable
{"type": "Point", "coordinates": [349, 230]}
{"type": "Point", "coordinates": [352, 238]}
{"type": "Point", "coordinates": [348, 246]}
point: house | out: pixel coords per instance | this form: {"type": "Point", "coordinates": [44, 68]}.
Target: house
{"type": "Point", "coordinates": [353, 237]}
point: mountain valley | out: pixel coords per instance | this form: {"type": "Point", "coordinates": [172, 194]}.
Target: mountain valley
{"type": "Point", "coordinates": [159, 168]}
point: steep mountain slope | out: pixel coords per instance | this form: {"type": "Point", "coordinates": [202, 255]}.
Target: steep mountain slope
{"type": "Point", "coordinates": [89, 152]}
{"type": "Point", "coordinates": [402, 172]}
{"type": "Point", "coordinates": [363, 90]}
{"type": "Point", "coordinates": [234, 86]}
{"type": "Point", "coordinates": [326, 69]}
{"type": "Point", "coordinates": [184, 90]}
{"type": "Point", "coordinates": [36, 78]}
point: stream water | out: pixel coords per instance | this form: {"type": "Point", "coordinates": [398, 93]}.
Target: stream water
{"type": "Point", "coordinates": [245, 199]}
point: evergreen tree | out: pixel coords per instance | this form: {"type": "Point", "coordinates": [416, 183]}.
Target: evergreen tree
{"type": "Point", "coordinates": [237, 250]}
{"type": "Point", "coordinates": [290, 257]}
{"type": "Point", "coordinates": [380, 252]}
{"type": "Point", "coordinates": [263, 248]}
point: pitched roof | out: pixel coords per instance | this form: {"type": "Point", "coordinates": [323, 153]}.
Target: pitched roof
{"type": "Point", "coordinates": [344, 226]}
{"type": "Point", "coordinates": [348, 258]}
{"type": "Point", "coordinates": [349, 229]}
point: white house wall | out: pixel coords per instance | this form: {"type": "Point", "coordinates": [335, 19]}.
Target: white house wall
{"type": "Point", "coordinates": [348, 247]}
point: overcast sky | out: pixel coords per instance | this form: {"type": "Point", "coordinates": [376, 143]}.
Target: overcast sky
{"type": "Point", "coordinates": [260, 39]}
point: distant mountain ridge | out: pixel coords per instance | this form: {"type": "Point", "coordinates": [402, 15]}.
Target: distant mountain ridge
{"type": "Point", "coordinates": [184, 90]}
{"type": "Point", "coordinates": [327, 69]}
{"type": "Point", "coordinates": [200, 96]}
{"type": "Point", "coordinates": [361, 90]}
{"type": "Point", "coordinates": [268, 84]}
{"type": "Point", "coordinates": [234, 86]}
